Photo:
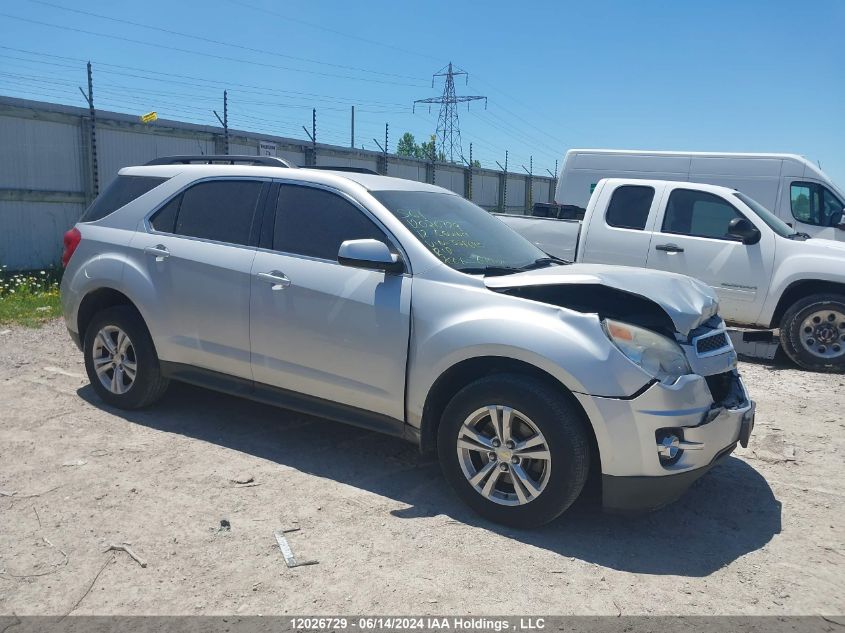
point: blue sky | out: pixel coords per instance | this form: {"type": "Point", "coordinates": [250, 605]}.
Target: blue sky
{"type": "Point", "coordinates": [718, 75]}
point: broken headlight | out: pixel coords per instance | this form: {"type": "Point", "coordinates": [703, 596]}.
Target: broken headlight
{"type": "Point", "coordinates": [658, 355]}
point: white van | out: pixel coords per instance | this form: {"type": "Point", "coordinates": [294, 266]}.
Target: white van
{"type": "Point", "coordinates": [792, 187]}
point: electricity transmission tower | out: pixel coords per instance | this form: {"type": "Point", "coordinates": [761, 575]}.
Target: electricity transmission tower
{"type": "Point", "coordinates": [448, 142]}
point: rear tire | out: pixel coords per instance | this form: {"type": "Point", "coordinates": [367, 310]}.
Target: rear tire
{"type": "Point", "coordinates": [515, 450]}
{"type": "Point", "coordinates": [812, 333]}
{"type": "Point", "coordinates": [121, 360]}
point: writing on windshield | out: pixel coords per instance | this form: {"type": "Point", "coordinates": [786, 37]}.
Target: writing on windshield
{"type": "Point", "coordinates": [459, 233]}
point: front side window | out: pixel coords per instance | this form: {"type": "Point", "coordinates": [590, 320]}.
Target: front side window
{"type": "Point", "coordinates": [315, 222]}
{"type": "Point", "coordinates": [219, 210]}
{"type": "Point", "coordinates": [629, 207]}
{"type": "Point", "coordinates": [699, 214]}
{"type": "Point", "coordinates": [121, 191]}
{"type": "Point", "coordinates": [461, 234]}
{"type": "Point", "coordinates": [812, 203]}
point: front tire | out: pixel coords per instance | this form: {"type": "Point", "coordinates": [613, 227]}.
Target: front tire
{"type": "Point", "coordinates": [121, 361]}
{"type": "Point", "coordinates": [515, 450]}
{"type": "Point", "coordinates": [812, 333]}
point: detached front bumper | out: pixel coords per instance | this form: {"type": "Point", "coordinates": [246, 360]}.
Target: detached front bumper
{"type": "Point", "coordinates": [630, 433]}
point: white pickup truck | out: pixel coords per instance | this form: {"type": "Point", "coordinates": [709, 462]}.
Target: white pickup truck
{"type": "Point", "coordinates": [765, 274]}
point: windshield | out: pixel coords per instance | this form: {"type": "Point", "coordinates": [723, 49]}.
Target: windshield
{"type": "Point", "coordinates": [461, 234]}
{"type": "Point", "coordinates": [775, 223]}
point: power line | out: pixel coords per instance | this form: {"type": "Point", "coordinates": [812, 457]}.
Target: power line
{"type": "Point", "coordinates": [179, 79]}
{"type": "Point", "coordinates": [219, 42]}
{"type": "Point", "coordinates": [203, 54]}
{"type": "Point", "coordinates": [289, 18]}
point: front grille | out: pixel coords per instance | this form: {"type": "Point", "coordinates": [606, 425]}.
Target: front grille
{"type": "Point", "coordinates": [711, 343]}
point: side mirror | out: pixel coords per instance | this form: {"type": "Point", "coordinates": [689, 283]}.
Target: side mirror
{"type": "Point", "coordinates": [369, 254]}
{"type": "Point", "coordinates": [836, 220]}
{"type": "Point", "coordinates": [743, 229]}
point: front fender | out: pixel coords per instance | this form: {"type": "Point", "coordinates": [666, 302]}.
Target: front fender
{"type": "Point", "coordinates": [569, 346]}
{"type": "Point", "coordinates": [801, 267]}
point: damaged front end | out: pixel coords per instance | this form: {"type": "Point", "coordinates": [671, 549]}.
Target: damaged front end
{"type": "Point", "coordinates": [695, 409]}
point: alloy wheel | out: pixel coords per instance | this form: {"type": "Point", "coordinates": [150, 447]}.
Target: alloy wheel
{"type": "Point", "coordinates": [504, 455]}
{"type": "Point", "coordinates": [114, 359]}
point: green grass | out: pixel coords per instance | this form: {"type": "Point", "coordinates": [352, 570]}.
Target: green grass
{"type": "Point", "coordinates": [29, 298]}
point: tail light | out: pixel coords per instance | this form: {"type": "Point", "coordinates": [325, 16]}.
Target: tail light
{"type": "Point", "coordinates": [71, 240]}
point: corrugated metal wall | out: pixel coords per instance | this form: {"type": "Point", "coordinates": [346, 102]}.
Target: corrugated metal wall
{"type": "Point", "coordinates": [46, 183]}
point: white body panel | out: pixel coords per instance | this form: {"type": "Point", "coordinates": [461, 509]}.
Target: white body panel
{"type": "Point", "coordinates": [749, 279]}
{"type": "Point", "coordinates": [765, 177]}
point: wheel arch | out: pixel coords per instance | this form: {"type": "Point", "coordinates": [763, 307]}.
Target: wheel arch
{"type": "Point", "coordinates": [96, 301]}
{"type": "Point", "coordinates": [800, 289]}
{"type": "Point", "coordinates": [461, 374]}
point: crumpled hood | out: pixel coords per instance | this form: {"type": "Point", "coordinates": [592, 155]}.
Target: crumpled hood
{"type": "Point", "coordinates": [687, 301]}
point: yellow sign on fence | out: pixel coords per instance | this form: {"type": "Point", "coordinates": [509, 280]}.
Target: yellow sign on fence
{"type": "Point", "coordinates": [149, 117]}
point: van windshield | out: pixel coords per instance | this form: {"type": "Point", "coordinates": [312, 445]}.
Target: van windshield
{"type": "Point", "coordinates": [775, 223]}
{"type": "Point", "coordinates": [461, 234]}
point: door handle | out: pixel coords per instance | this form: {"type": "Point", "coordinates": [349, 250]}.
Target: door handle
{"type": "Point", "coordinates": [159, 250]}
{"type": "Point", "coordinates": [278, 279]}
{"type": "Point", "coordinates": [669, 248]}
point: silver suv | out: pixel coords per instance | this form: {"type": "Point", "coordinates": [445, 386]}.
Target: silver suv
{"type": "Point", "coordinates": [402, 307]}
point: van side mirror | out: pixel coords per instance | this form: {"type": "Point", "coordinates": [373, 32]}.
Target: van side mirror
{"type": "Point", "coordinates": [743, 229]}
{"type": "Point", "coordinates": [836, 220]}
{"type": "Point", "coordinates": [369, 254]}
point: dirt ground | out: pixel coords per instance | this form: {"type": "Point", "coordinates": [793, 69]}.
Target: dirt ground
{"type": "Point", "coordinates": [760, 534]}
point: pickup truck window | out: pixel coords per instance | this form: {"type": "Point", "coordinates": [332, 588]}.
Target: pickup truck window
{"type": "Point", "coordinates": [629, 207]}
{"type": "Point", "coordinates": [812, 203]}
{"type": "Point", "coordinates": [698, 213]}
{"type": "Point", "coordinates": [461, 234]}
{"type": "Point", "coordinates": [315, 222]}
{"type": "Point", "coordinates": [775, 223]}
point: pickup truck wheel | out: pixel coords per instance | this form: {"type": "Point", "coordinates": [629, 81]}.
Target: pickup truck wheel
{"type": "Point", "coordinates": [812, 332]}
{"type": "Point", "coordinates": [121, 361]}
{"type": "Point", "coordinates": [514, 450]}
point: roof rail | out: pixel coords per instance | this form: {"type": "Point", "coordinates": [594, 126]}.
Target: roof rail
{"type": "Point", "coordinates": [210, 159]}
{"type": "Point", "coordinates": [355, 170]}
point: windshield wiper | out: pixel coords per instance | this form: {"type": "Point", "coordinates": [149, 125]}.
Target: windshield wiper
{"type": "Point", "coordinates": [491, 271]}
{"type": "Point", "coordinates": [541, 262]}
{"type": "Point", "coordinates": [799, 236]}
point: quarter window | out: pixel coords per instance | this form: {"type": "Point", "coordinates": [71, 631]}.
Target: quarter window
{"type": "Point", "coordinates": [811, 203]}
{"type": "Point", "coordinates": [121, 191]}
{"type": "Point", "coordinates": [629, 207]}
{"type": "Point", "coordinates": [699, 213]}
{"type": "Point", "coordinates": [164, 219]}
{"type": "Point", "coordinates": [315, 222]}
{"type": "Point", "coordinates": [220, 210]}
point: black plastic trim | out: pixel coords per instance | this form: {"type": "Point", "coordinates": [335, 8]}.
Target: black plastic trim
{"type": "Point", "coordinates": [642, 494]}
{"type": "Point", "coordinates": [287, 399]}
{"type": "Point", "coordinates": [210, 159]}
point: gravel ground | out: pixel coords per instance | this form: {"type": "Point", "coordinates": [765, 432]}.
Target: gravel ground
{"type": "Point", "coordinates": [760, 534]}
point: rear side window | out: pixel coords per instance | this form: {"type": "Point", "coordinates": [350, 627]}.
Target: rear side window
{"type": "Point", "coordinates": [699, 213]}
{"type": "Point", "coordinates": [221, 210]}
{"type": "Point", "coordinates": [629, 207]}
{"type": "Point", "coordinates": [315, 222]}
{"type": "Point", "coordinates": [121, 191]}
